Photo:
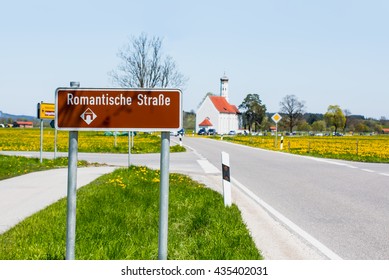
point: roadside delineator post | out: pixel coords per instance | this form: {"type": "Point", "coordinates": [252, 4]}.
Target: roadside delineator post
{"type": "Point", "coordinates": [226, 179]}
{"type": "Point", "coordinates": [282, 143]}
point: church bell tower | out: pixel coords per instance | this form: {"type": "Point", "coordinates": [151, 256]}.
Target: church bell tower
{"type": "Point", "coordinates": [224, 87]}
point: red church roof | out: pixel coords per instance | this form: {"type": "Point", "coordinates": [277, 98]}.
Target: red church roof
{"type": "Point", "coordinates": [222, 105]}
{"type": "Point", "coordinates": [206, 122]}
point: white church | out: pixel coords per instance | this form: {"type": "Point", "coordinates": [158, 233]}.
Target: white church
{"type": "Point", "coordinates": [217, 113]}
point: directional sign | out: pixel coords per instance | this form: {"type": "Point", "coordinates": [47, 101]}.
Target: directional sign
{"type": "Point", "coordinates": [276, 117]}
{"type": "Point", "coordinates": [118, 109]}
{"type": "Point", "coordinates": [46, 111]}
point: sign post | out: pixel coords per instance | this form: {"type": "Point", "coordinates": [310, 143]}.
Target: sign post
{"type": "Point", "coordinates": [164, 196]}
{"type": "Point", "coordinates": [130, 145]}
{"type": "Point", "coordinates": [91, 109]}
{"type": "Point", "coordinates": [41, 141]}
{"type": "Point", "coordinates": [72, 191]}
{"type": "Point", "coordinates": [276, 118]}
{"type": "Point", "coordinates": [45, 111]}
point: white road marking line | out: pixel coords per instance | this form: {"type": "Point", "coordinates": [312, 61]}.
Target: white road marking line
{"type": "Point", "coordinates": [316, 243]}
{"type": "Point", "coordinates": [351, 166]}
{"type": "Point", "coordinates": [367, 170]}
{"type": "Point", "coordinates": [207, 166]}
{"type": "Point", "coordinates": [384, 174]}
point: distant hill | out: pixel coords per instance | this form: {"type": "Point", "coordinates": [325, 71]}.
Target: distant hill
{"type": "Point", "coordinates": [16, 117]}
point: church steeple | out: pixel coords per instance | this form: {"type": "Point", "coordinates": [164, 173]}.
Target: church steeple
{"type": "Point", "coordinates": [224, 87]}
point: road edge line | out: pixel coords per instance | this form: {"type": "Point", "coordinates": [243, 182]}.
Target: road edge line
{"type": "Point", "coordinates": [303, 234]}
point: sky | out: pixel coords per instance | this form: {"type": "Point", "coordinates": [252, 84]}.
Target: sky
{"type": "Point", "coordinates": [325, 52]}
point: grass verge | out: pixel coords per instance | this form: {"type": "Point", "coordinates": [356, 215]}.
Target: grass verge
{"type": "Point", "coordinates": [117, 218]}
{"type": "Point", "coordinates": [12, 166]}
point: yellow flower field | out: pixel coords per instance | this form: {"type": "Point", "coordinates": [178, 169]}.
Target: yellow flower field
{"type": "Point", "coordinates": [28, 139]}
{"type": "Point", "coordinates": [359, 148]}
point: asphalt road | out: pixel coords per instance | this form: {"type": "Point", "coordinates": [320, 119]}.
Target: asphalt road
{"type": "Point", "coordinates": [342, 205]}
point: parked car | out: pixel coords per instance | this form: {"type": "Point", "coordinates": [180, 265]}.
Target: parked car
{"type": "Point", "coordinates": [232, 132]}
{"type": "Point", "coordinates": [202, 131]}
{"type": "Point", "coordinates": [211, 131]}
{"type": "Point", "coordinates": [337, 134]}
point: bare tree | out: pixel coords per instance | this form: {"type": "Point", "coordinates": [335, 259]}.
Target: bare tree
{"type": "Point", "coordinates": [347, 114]}
{"type": "Point", "coordinates": [293, 110]}
{"type": "Point", "coordinates": [143, 65]}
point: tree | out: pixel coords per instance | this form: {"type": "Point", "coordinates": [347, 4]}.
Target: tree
{"type": "Point", "coordinates": [335, 117]}
{"type": "Point", "coordinates": [319, 126]}
{"type": "Point", "coordinates": [361, 127]}
{"type": "Point", "coordinates": [311, 117]}
{"type": "Point", "coordinates": [254, 111]}
{"type": "Point", "coordinates": [383, 120]}
{"type": "Point", "coordinates": [347, 114]}
{"type": "Point", "coordinates": [293, 111]}
{"type": "Point", "coordinates": [303, 126]}
{"type": "Point", "coordinates": [143, 65]}
{"type": "Point", "coordinates": [189, 120]}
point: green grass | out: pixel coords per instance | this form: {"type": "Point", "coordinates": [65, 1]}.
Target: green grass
{"type": "Point", "coordinates": [117, 218]}
{"type": "Point", "coordinates": [12, 166]}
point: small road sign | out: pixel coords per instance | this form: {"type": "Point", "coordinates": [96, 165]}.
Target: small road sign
{"type": "Point", "coordinates": [276, 117]}
{"type": "Point", "coordinates": [46, 111]}
{"type": "Point", "coordinates": [118, 109]}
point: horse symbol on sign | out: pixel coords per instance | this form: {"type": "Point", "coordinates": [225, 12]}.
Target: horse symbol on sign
{"type": "Point", "coordinates": [88, 116]}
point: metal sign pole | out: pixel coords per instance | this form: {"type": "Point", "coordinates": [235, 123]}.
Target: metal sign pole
{"type": "Point", "coordinates": [129, 148]}
{"type": "Point", "coordinates": [72, 196]}
{"type": "Point", "coordinates": [275, 143]}
{"type": "Point", "coordinates": [72, 192]}
{"type": "Point", "coordinates": [41, 148]}
{"type": "Point", "coordinates": [164, 196]}
{"type": "Point", "coordinates": [55, 143]}
{"type": "Point", "coordinates": [276, 118]}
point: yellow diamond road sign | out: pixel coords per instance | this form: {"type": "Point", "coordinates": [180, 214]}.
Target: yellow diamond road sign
{"type": "Point", "coordinates": [276, 117]}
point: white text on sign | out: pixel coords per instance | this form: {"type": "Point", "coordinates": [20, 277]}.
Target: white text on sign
{"type": "Point", "coordinates": [105, 99]}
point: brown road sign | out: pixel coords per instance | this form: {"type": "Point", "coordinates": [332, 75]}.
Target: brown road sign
{"type": "Point", "coordinates": [118, 109]}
